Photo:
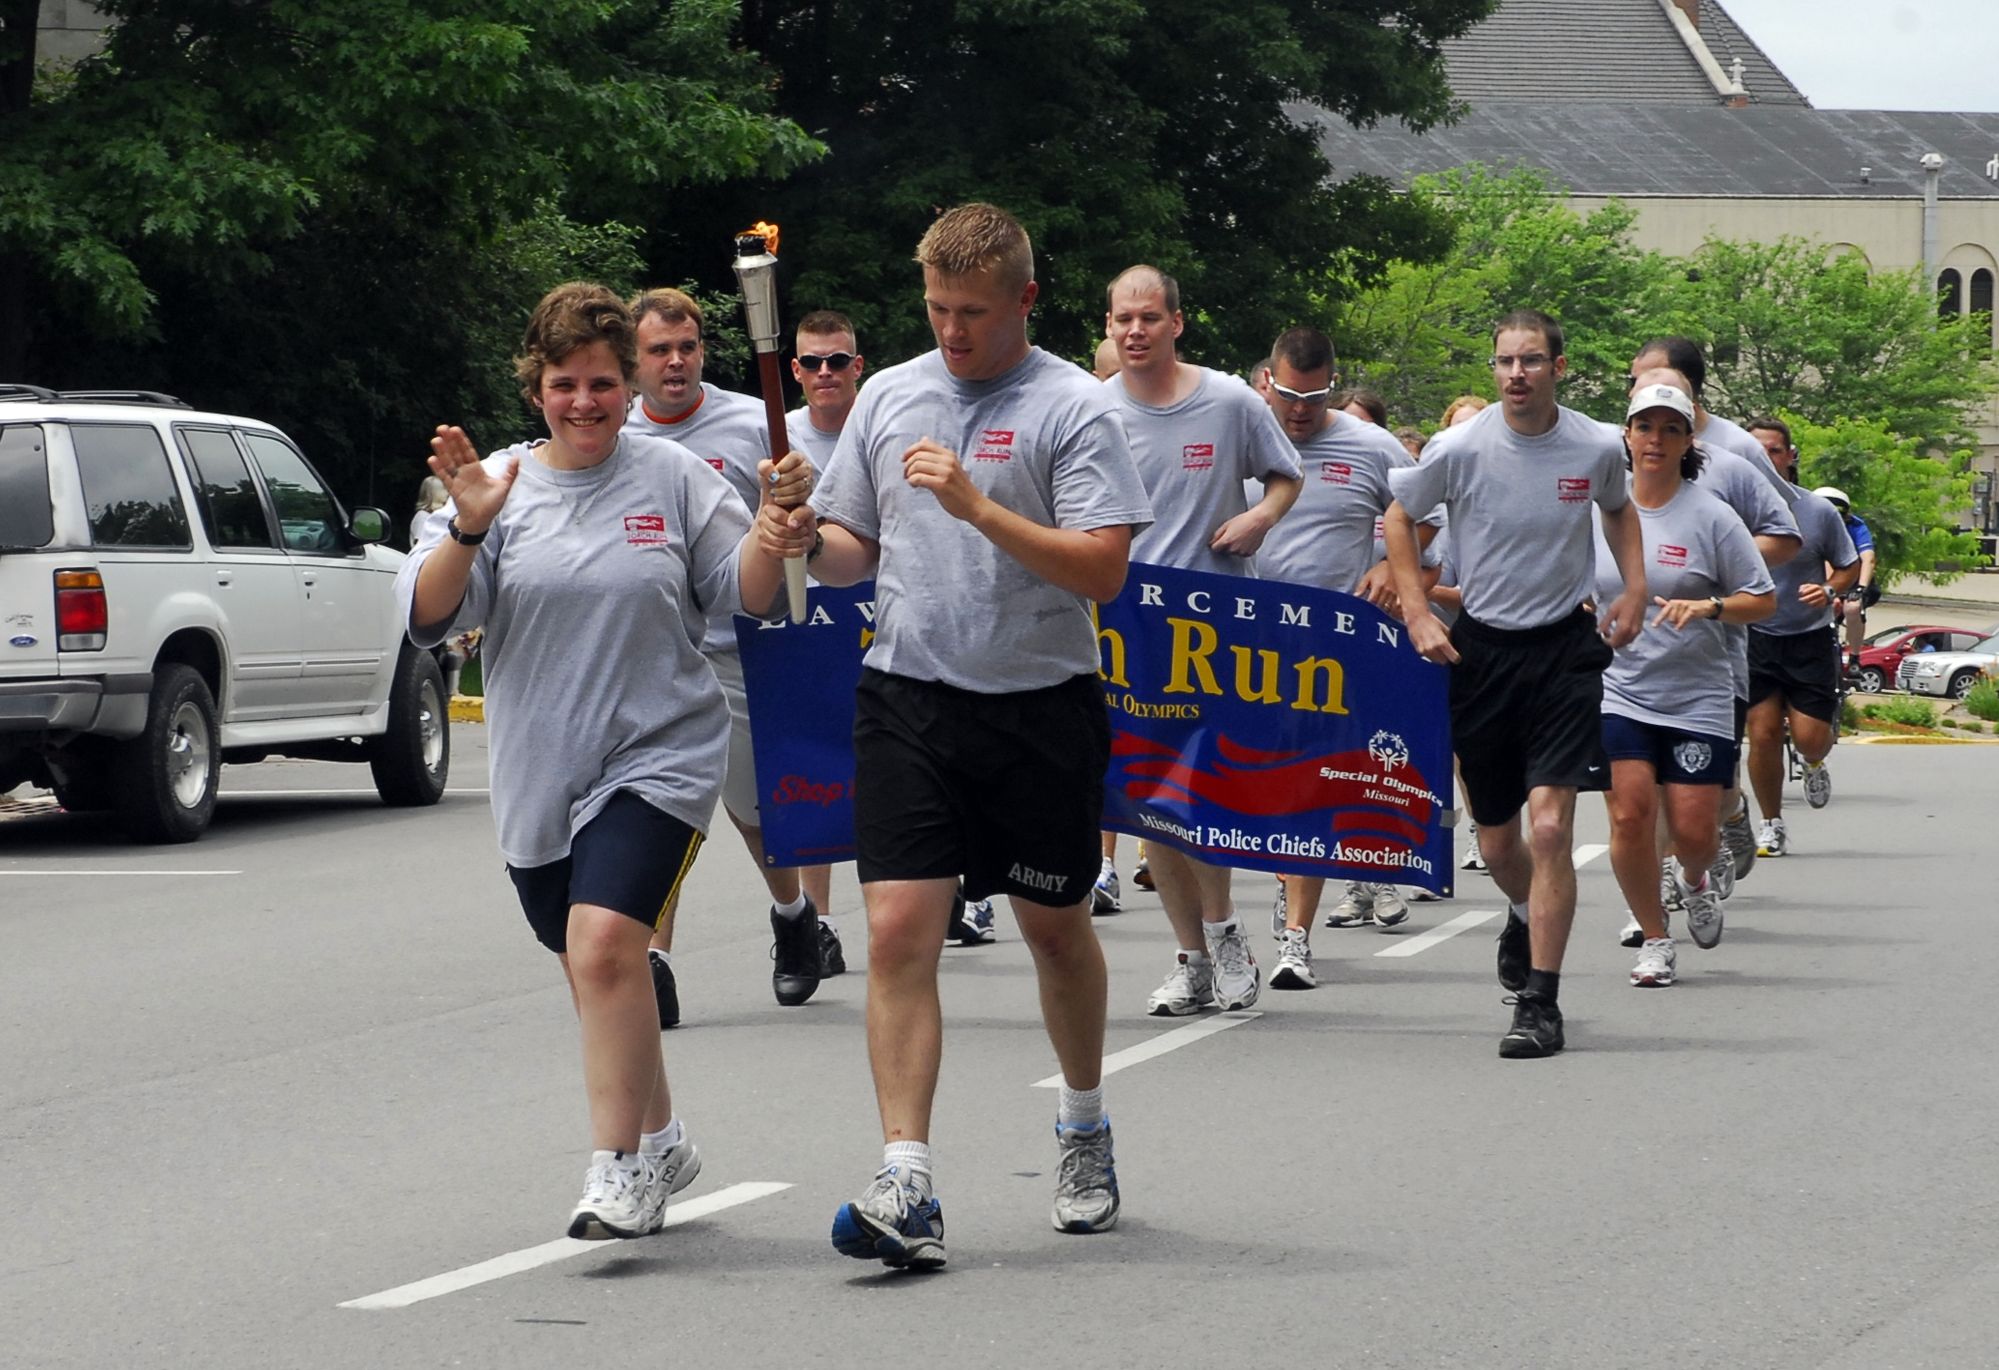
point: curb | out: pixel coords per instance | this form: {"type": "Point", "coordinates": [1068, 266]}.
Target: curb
{"type": "Point", "coordinates": [1890, 740]}
{"type": "Point", "coordinates": [468, 709]}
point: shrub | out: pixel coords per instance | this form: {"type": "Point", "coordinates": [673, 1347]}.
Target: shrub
{"type": "Point", "coordinates": [1983, 701]}
{"type": "Point", "coordinates": [1913, 712]}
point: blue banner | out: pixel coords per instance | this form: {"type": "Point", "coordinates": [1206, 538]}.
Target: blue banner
{"type": "Point", "coordinates": [1253, 724]}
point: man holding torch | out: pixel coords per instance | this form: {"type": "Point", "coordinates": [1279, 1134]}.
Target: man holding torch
{"type": "Point", "coordinates": [988, 487]}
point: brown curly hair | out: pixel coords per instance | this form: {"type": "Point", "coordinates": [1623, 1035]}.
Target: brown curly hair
{"type": "Point", "coordinates": [571, 317]}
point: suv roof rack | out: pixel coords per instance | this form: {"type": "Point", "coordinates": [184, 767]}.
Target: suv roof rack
{"type": "Point", "coordinates": [15, 390]}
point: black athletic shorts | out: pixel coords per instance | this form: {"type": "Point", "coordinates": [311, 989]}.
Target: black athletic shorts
{"type": "Point", "coordinates": [1678, 757]}
{"type": "Point", "coordinates": [631, 857]}
{"type": "Point", "coordinates": [1741, 722]}
{"type": "Point", "coordinates": [1006, 790]}
{"type": "Point", "coordinates": [1526, 711]}
{"type": "Point", "coordinates": [1802, 669]}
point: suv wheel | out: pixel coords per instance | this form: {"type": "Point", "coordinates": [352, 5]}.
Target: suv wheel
{"type": "Point", "coordinates": [413, 758]}
{"type": "Point", "coordinates": [164, 779]}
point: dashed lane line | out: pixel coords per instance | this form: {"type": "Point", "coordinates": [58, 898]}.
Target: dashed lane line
{"type": "Point", "coordinates": [1465, 922]}
{"type": "Point", "coordinates": [561, 1249]}
{"type": "Point", "coordinates": [1163, 1043]}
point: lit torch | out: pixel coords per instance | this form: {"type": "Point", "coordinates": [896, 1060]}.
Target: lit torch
{"type": "Point", "coordinates": [756, 269]}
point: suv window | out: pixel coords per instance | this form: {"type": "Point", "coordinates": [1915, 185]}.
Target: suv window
{"type": "Point", "coordinates": [128, 487]}
{"type": "Point", "coordinates": [231, 509]}
{"type": "Point", "coordinates": [26, 517]}
{"type": "Point", "coordinates": [307, 516]}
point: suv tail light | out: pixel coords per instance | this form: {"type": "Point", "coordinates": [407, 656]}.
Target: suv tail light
{"type": "Point", "coordinates": [82, 616]}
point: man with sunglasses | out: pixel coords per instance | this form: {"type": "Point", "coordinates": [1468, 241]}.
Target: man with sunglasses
{"type": "Point", "coordinates": [1329, 541]}
{"type": "Point", "coordinates": [1197, 436]}
{"type": "Point", "coordinates": [731, 433]}
{"type": "Point", "coordinates": [827, 367]}
{"type": "Point", "coordinates": [1526, 691]}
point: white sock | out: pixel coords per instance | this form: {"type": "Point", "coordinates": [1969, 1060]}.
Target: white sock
{"type": "Point", "coordinates": [1215, 932]}
{"type": "Point", "coordinates": [791, 910]}
{"type": "Point", "coordinates": [666, 1139]}
{"type": "Point", "coordinates": [1195, 957]}
{"type": "Point", "coordinates": [1108, 868]}
{"type": "Point", "coordinates": [627, 1161]}
{"type": "Point", "coordinates": [912, 1161]}
{"type": "Point", "coordinates": [1518, 912]}
{"type": "Point", "coordinates": [663, 956]}
{"type": "Point", "coordinates": [829, 922]}
{"type": "Point", "coordinates": [1082, 1109]}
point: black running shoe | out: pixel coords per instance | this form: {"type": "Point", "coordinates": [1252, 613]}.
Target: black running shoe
{"type": "Point", "coordinates": [1536, 1031]}
{"type": "Point", "coordinates": [665, 992]}
{"type": "Point", "coordinates": [1516, 956]}
{"type": "Point", "coordinates": [832, 960]}
{"type": "Point", "coordinates": [795, 950]}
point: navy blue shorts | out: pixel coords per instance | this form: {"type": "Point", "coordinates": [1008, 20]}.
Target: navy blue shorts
{"type": "Point", "coordinates": [1678, 757]}
{"type": "Point", "coordinates": [631, 857]}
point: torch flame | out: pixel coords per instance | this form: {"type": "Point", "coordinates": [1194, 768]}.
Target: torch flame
{"type": "Point", "coordinates": [766, 231]}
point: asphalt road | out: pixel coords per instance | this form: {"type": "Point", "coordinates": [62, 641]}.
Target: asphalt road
{"type": "Point", "coordinates": [318, 1057]}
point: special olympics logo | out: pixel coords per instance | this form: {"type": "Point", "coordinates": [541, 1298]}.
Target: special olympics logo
{"type": "Point", "coordinates": [1693, 757]}
{"type": "Point", "coordinates": [1389, 749]}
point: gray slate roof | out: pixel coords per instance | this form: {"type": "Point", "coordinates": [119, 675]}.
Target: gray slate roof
{"type": "Point", "coordinates": [1626, 51]}
{"type": "Point", "coordinates": [1594, 148]}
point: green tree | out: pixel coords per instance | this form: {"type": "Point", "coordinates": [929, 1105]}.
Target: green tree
{"type": "Point", "coordinates": [326, 212]}
{"type": "Point", "coordinates": [1905, 490]}
{"type": "Point", "coordinates": [1118, 131]}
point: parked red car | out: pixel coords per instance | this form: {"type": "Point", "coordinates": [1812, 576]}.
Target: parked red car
{"type": "Point", "coordinates": [1883, 651]}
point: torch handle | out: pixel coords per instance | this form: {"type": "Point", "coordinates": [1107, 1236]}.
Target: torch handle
{"type": "Point", "coordinates": [780, 444]}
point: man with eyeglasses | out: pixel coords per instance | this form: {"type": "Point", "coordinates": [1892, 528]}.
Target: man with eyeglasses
{"type": "Point", "coordinates": [731, 433]}
{"type": "Point", "coordinates": [1528, 657]}
{"type": "Point", "coordinates": [1197, 436]}
{"type": "Point", "coordinates": [1328, 541]}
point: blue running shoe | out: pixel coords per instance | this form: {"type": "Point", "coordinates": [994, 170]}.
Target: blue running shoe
{"type": "Point", "coordinates": [891, 1224]}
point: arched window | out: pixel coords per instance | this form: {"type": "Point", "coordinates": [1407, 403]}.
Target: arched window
{"type": "Point", "coordinates": [1950, 292]}
{"type": "Point", "coordinates": [1981, 291]}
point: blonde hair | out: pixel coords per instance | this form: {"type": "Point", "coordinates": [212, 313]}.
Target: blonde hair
{"type": "Point", "coordinates": [1459, 405]}
{"type": "Point", "coordinates": [431, 495]}
{"type": "Point", "coordinates": [978, 238]}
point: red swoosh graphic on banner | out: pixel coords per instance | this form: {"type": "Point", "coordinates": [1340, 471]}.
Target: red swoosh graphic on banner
{"type": "Point", "coordinates": [1284, 790]}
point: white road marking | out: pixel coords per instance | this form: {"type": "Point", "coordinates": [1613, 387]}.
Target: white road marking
{"type": "Point", "coordinates": [1465, 922]}
{"type": "Point", "coordinates": [561, 1249]}
{"type": "Point", "coordinates": [1163, 1043]}
{"type": "Point", "coordinates": [118, 872]}
{"type": "Point", "coordinates": [335, 794]}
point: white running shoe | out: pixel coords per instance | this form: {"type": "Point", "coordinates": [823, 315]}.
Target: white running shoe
{"type": "Point", "coordinates": [1721, 872]}
{"type": "Point", "coordinates": [1772, 839]}
{"type": "Point", "coordinates": [1669, 889]}
{"type": "Point", "coordinates": [1356, 906]}
{"type": "Point", "coordinates": [1189, 989]}
{"type": "Point", "coordinates": [1388, 907]}
{"type": "Point", "coordinates": [619, 1196]}
{"type": "Point", "coordinates": [1294, 963]}
{"type": "Point", "coordinates": [1655, 964]}
{"type": "Point", "coordinates": [1632, 935]}
{"type": "Point", "coordinates": [1474, 859]}
{"type": "Point", "coordinates": [1237, 981]}
{"type": "Point", "coordinates": [1703, 915]}
{"type": "Point", "coordinates": [1740, 840]}
{"type": "Point", "coordinates": [1280, 910]}
{"type": "Point", "coordinates": [1104, 894]}
{"type": "Point", "coordinates": [1818, 784]}
{"type": "Point", "coordinates": [673, 1170]}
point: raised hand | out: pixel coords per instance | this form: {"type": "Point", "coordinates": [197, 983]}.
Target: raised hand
{"type": "Point", "coordinates": [477, 492]}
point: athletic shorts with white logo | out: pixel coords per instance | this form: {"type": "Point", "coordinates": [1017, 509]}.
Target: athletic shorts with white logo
{"type": "Point", "coordinates": [631, 858]}
{"type": "Point", "coordinates": [1526, 711]}
{"type": "Point", "coordinates": [1006, 790]}
{"type": "Point", "coordinates": [1678, 757]}
{"type": "Point", "coordinates": [1803, 668]}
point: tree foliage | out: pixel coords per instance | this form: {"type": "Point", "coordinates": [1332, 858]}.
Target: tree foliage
{"type": "Point", "coordinates": [1118, 131]}
{"type": "Point", "coordinates": [1899, 485]}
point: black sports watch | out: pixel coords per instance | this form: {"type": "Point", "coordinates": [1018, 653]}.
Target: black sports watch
{"type": "Point", "coordinates": [1715, 600]}
{"type": "Point", "coordinates": [463, 538]}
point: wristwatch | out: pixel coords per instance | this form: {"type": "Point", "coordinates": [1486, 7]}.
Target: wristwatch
{"type": "Point", "coordinates": [1715, 600]}
{"type": "Point", "coordinates": [463, 538]}
{"type": "Point", "coordinates": [818, 545]}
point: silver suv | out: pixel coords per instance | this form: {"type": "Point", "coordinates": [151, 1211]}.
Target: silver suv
{"type": "Point", "coordinates": [179, 589]}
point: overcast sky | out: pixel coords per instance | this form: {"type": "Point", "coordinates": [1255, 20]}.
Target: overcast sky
{"type": "Point", "coordinates": [1882, 54]}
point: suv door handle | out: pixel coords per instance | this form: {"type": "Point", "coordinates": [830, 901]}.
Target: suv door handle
{"type": "Point", "coordinates": [225, 578]}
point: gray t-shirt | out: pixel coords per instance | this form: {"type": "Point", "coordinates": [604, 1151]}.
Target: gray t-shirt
{"type": "Point", "coordinates": [1733, 437]}
{"type": "Point", "coordinates": [1826, 540]}
{"type": "Point", "coordinates": [1738, 484]}
{"type": "Point", "coordinates": [1045, 441]}
{"type": "Point", "coordinates": [1328, 539]}
{"type": "Point", "coordinates": [816, 446]}
{"type": "Point", "coordinates": [592, 587]}
{"type": "Point", "coordinates": [1695, 547]}
{"type": "Point", "coordinates": [731, 433]}
{"type": "Point", "coordinates": [1519, 511]}
{"type": "Point", "coordinates": [1194, 457]}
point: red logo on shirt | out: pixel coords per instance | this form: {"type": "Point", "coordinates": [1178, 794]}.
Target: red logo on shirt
{"type": "Point", "coordinates": [1198, 456]}
{"type": "Point", "coordinates": [715, 462]}
{"type": "Point", "coordinates": [1336, 472]}
{"type": "Point", "coordinates": [995, 444]}
{"type": "Point", "coordinates": [1572, 489]}
{"type": "Point", "coordinates": [1670, 555]}
{"type": "Point", "coordinates": [645, 530]}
